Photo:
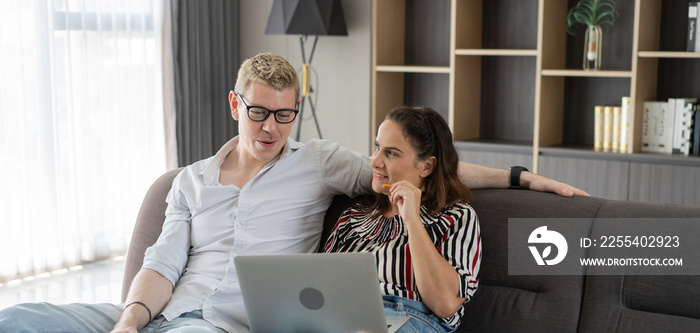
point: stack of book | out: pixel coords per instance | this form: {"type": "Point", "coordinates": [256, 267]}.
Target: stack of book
{"type": "Point", "coordinates": [668, 127]}
{"type": "Point", "coordinates": [671, 127]}
{"type": "Point", "coordinates": [612, 128]}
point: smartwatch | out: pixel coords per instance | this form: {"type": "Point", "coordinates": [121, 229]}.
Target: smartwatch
{"type": "Point", "coordinates": [515, 172]}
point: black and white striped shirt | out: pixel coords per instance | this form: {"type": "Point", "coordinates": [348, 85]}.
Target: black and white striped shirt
{"type": "Point", "coordinates": [454, 231]}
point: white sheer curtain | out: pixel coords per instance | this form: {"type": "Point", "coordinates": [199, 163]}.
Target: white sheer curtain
{"type": "Point", "coordinates": [81, 128]}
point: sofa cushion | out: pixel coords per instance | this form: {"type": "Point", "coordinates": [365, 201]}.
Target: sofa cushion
{"type": "Point", "coordinates": [641, 303]}
{"type": "Point", "coordinates": [510, 303]}
{"type": "Point", "coordinates": [635, 303]}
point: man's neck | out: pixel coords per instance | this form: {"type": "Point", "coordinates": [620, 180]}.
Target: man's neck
{"type": "Point", "coordinates": [239, 168]}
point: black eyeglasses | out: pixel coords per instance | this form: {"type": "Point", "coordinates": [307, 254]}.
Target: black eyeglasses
{"type": "Point", "coordinates": [259, 113]}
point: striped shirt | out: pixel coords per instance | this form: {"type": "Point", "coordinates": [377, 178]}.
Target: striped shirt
{"type": "Point", "coordinates": [454, 231]}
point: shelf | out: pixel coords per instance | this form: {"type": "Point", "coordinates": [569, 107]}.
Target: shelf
{"type": "Point", "coordinates": [668, 54]}
{"type": "Point", "coordinates": [495, 146]}
{"type": "Point", "coordinates": [585, 73]}
{"type": "Point", "coordinates": [495, 52]}
{"type": "Point", "coordinates": [414, 69]}
{"type": "Point", "coordinates": [509, 80]}
{"type": "Point", "coordinates": [589, 153]}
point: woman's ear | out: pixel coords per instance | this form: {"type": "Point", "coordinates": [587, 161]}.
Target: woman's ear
{"type": "Point", "coordinates": [428, 166]}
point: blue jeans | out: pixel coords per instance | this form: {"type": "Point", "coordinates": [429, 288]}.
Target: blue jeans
{"type": "Point", "coordinates": [422, 319]}
{"type": "Point", "coordinates": [89, 318]}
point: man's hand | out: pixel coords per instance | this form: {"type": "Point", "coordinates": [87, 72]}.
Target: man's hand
{"type": "Point", "coordinates": [477, 176]}
{"type": "Point", "coordinates": [123, 327]}
{"type": "Point", "coordinates": [149, 288]}
{"type": "Point", "coordinates": [536, 182]}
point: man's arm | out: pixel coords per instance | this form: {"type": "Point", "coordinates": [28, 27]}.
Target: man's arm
{"type": "Point", "coordinates": [150, 288]}
{"type": "Point", "coordinates": [479, 176]}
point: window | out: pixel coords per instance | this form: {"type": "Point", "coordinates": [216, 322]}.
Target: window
{"type": "Point", "coordinates": [81, 128]}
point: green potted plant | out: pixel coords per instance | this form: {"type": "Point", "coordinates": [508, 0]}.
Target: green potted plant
{"type": "Point", "coordinates": [593, 14]}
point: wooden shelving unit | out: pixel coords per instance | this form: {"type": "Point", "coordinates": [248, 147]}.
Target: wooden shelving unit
{"type": "Point", "coordinates": [505, 73]}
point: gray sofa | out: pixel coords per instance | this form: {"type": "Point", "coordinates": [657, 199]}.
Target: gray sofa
{"type": "Point", "coordinates": [510, 303]}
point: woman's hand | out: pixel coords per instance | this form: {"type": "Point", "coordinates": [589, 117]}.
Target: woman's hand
{"type": "Point", "coordinates": [408, 198]}
{"type": "Point", "coordinates": [436, 279]}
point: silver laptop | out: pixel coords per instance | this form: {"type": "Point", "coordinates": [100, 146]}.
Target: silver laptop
{"type": "Point", "coordinates": [335, 292]}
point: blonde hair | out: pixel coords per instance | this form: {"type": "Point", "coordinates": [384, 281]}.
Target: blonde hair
{"type": "Point", "coordinates": [269, 69]}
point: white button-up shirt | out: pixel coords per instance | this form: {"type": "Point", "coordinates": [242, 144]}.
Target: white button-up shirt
{"type": "Point", "coordinates": [280, 210]}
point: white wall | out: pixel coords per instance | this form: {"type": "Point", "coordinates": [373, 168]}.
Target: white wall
{"type": "Point", "coordinates": [342, 65]}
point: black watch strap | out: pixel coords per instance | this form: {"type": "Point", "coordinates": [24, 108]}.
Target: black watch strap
{"type": "Point", "coordinates": [515, 172]}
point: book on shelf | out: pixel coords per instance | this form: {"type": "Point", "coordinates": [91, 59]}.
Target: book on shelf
{"type": "Point", "coordinates": [693, 44]}
{"type": "Point", "coordinates": [682, 128]}
{"type": "Point", "coordinates": [607, 128]}
{"type": "Point", "coordinates": [598, 128]}
{"type": "Point", "coordinates": [625, 132]}
{"type": "Point", "coordinates": [695, 135]}
{"type": "Point", "coordinates": [668, 126]}
{"type": "Point", "coordinates": [616, 120]}
{"type": "Point", "coordinates": [665, 128]}
{"type": "Point", "coordinates": [664, 119]}
{"type": "Point", "coordinates": [649, 136]}
{"type": "Point", "coordinates": [687, 129]}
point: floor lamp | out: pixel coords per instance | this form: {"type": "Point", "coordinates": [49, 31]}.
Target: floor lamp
{"type": "Point", "coordinates": [305, 18]}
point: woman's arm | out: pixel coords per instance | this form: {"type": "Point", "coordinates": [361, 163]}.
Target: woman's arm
{"type": "Point", "coordinates": [479, 176]}
{"type": "Point", "coordinates": [436, 279]}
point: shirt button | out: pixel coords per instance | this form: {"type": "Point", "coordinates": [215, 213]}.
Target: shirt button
{"type": "Point", "coordinates": [240, 226]}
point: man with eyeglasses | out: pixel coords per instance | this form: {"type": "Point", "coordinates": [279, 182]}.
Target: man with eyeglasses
{"type": "Point", "coordinates": [262, 193]}
{"type": "Point", "coordinates": [260, 113]}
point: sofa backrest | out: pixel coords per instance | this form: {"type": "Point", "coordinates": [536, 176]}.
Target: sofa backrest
{"type": "Point", "coordinates": [508, 303]}
{"type": "Point", "coordinates": [149, 223]}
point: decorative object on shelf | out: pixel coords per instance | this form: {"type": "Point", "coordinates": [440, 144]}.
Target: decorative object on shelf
{"type": "Point", "coordinates": [594, 14]}
{"type": "Point", "coordinates": [304, 18]}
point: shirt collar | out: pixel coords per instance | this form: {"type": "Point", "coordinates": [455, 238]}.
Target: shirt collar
{"type": "Point", "coordinates": [212, 168]}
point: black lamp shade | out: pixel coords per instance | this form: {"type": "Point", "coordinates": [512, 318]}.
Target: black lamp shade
{"type": "Point", "coordinates": [306, 17]}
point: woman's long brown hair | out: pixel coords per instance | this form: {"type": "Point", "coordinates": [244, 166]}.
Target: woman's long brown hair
{"type": "Point", "coordinates": [429, 135]}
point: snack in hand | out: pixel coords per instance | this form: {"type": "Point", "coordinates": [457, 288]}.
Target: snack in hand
{"type": "Point", "coordinates": [386, 186]}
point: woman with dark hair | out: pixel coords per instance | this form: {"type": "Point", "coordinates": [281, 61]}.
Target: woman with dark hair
{"type": "Point", "coordinates": [424, 235]}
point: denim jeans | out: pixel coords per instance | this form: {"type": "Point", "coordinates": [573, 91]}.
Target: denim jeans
{"type": "Point", "coordinates": [422, 319]}
{"type": "Point", "coordinates": [89, 318]}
